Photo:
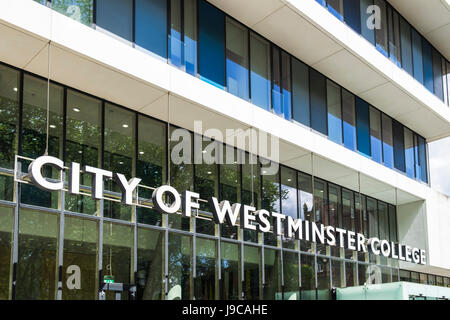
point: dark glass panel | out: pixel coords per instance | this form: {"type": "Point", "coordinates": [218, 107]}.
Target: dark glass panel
{"type": "Point", "coordinates": [180, 280]}
{"type": "Point", "coordinates": [363, 127]}
{"type": "Point", "coordinates": [231, 269]}
{"type": "Point", "coordinates": [206, 287]}
{"type": "Point", "coordinates": [317, 89]}
{"type": "Point", "coordinates": [300, 92]}
{"type": "Point", "coordinates": [260, 71]}
{"type": "Point", "coordinates": [115, 16]}
{"type": "Point", "coordinates": [272, 289]}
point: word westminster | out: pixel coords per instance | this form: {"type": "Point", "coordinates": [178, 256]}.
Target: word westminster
{"type": "Point", "coordinates": [249, 217]}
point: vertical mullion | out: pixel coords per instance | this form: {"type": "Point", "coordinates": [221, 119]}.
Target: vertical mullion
{"type": "Point", "coordinates": [61, 243]}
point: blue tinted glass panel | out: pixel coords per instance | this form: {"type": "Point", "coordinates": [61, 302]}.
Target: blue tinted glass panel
{"type": "Point", "coordinates": [322, 2]}
{"type": "Point", "coordinates": [115, 16]}
{"type": "Point", "coordinates": [388, 144]}
{"type": "Point", "coordinates": [422, 150]}
{"type": "Point", "coordinates": [437, 75]}
{"type": "Point", "coordinates": [151, 26]}
{"type": "Point", "coordinates": [394, 37]}
{"type": "Point", "coordinates": [211, 44]}
{"type": "Point", "coordinates": [260, 71]}
{"type": "Point", "coordinates": [406, 46]}
{"type": "Point", "coordinates": [362, 126]}
{"type": "Point", "coordinates": [300, 91]}
{"type": "Point", "coordinates": [349, 119]}
{"type": "Point", "coordinates": [276, 82]}
{"type": "Point", "coordinates": [399, 146]}
{"type": "Point", "coordinates": [237, 59]}
{"type": "Point", "coordinates": [417, 56]}
{"type": "Point", "coordinates": [176, 46]}
{"type": "Point", "coordinates": [352, 14]}
{"type": "Point", "coordinates": [334, 112]}
{"type": "Point", "coordinates": [336, 8]}
{"type": "Point", "coordinates": [375, 134]}
{"type": "Point", "coordinates": [409, 153]}
{"type": "Point", "coordinates": [427, 66]}
{"type": "Point", "coordinates": [367, 21]}
{"type": "Point", "coordinates": [286, 88]}
{"type": "Point", "coordinates": [318, 92]}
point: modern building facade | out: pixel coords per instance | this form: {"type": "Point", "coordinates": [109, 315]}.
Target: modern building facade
{"type": "Point", "coordinates": [106, 83]}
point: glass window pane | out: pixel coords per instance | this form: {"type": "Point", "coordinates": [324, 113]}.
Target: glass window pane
{"type": "Point", "coordinates": [251, 190]}
{"type": "Point", "coordinates": [394, 37]}
{"type": "Point", "coordinates": [230, 188]}
{"type": "Point", "coordinates": [352, 14]}
{"type": "Point", "coordinates": [334, 112]}
{"type": "Point", "coordinates": [151, 25]}
{"type": "Point", "coordinates": [289, 199]}
{"type": "Point", "coordinates": [335, 214]}
{"type": "Point", "coordinates": [323, 278]}
{"type": "Point", "coordinates": [300, 92]}
{"type": "Point", "coordinates": [405, 275]}
{"type": "Point", "coordinates": [83, 144]}
{"type": "Point", "coordinates": [437, 75]}
{"type": "Point", "coordinates": [79, 10]}
{"type": "Point", "coordinates": [399, 146]}
{"type": "Point", "coordinates": [151, 163]}
{"type": "Point", "coordinates": [375, 134]}
{"type": "Point", "coordinates": [115, 16]}
{"type": "Point", "coordinates": [363, 127]}
{"type": "Point", "coordinates": [317, 88]}
{"type": "Point", "coordinates": [6, 241]}
{"type": "Point", "coordinates": [337, 271]}
{"type": "Point", "coordinates": [406, 46]}
{"type": "Point", "coordinates": [320, 209]}
{"type": "Point", "coordinates": [206, 287]}
{"type": "Point", "coordinates": [80, 259]}
{"type": "Point", "coordinates": [231, 269]}
{"type": "Point", "coordinates": [362, 274]}
{"type": "Point", "coordinates": [348, 216]}
{"type": "Point", "coordinates": [37, 256]}
{"type": "Point", "coordinates": [422, 159]}
{"type": "Point", "coordinates": [388, 148]}
{"type": "Point", "coordinates": [180, 280]}
{"type": "Point", "coordinates": [277, 99]}
{"type": "Point", "coordinates": [305, 203]}
{"type": "Point", "coordinates": [182, 174]}
{"type": "Point", "coordinates": [409, 153]}
{"type": "Point", "coordinates": [237, 58]}
{"type": "Point", "coordinates": [272, 271]}
{"type": "Point", "coordinates": [190, 36]}
{"type": "Point", "coordinates": [150, 264]}
{"type": "Point", "coordinates": [290, 276]}
{"type": "Point", "coordinates": [392, 224]}
{"type": "Point", "coordinates": [211, 44]}
{"type": "Point", "coordinates": [252, 273]}
{"type": "Point", "coordinates": [381, 33]}
{"type": "Point", "coordinates": [286, 86]}
{"type": "Point", "coordinates": [350, 274]}
{"type": "Point", "coordinates": [260, 71]}
{"type": "Point", "coordinates": [176, 45]}
{"type": "Point", "coordinates": [119, 154]}
{"type": "Point", "coordinates": [9, 114]}
{"type": "Point", "coordinates": [336, 7]}
{"type": "Point", "coordinates": [349, 118]}
{"type": "Point", "coordinates": [308, 274]}
{"type": "Point", "coordinates": [117, 254]}
{"type": "Point", "coordinates": [428, 80]}
{"type": "Point", "coordinates": [383, 225]}
{"type": "Point", "coordinates": [361, 221]}
{"type": "Point", "coordinates": [206, 178]}
{"type": "Point", "coordinates": [270, 200]}
{"type": "Point", "coordinates": [367, 31]}
{"type": "Point", "coordinates": [417, 55]}
{"type": "Point", "coordinates": [34, 134]}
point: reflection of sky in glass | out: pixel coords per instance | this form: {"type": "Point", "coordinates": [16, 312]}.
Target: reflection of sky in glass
{"type": "Point", "coordinates": [376, 148]}
{"type": "Point", "coordinates": [306, 198]}
{"type": "Point", "coordinates": [289, 205]}
{"type": "Point", "coordinates": [260, 90]}
{"type": "Point", "coordinates": [237, 76]}
{"type": "Point", "coordinates": [334, 128]}
{"type": "Point", "coordinates": [409, 160]}
{"type": "Point", "coordinates": [287, 104]}
{"type": "Point", "coordinates": [276, 100]}
{"type": "Point", "coordinates": [190, 55]}
{"type": "Point", "coordinates": [388, 154]}
{"type": "Point", "coordinates": [349, 136]}
{"type": "Point", "coordinates": [176, 47]}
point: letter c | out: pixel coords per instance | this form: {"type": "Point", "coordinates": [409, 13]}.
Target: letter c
{"type": "Point", "coordinates": [36, 177]}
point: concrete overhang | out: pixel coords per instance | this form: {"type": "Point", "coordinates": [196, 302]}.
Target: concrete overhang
{"type": "Point", "coordinates": [96, 63]}
{"type": "Point", "coordinates": [431, 18]}
{"type": "Point", "coordinates": [308, 31]}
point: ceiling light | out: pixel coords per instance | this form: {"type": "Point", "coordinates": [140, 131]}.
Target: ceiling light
{"type": "Point", "coordinates": [125, 125]}
{"type": "Point", "coordinates": [289, 180]}
{"type": "Point", "coordinates": [15, 89]}
{"type": "Point", "coordinates": [204, 151]}
{"type": "Point", "coordinates": [120, 162]}
{"type": "Point", "coordinates": [141, 152]}
{"type": "Point", "coordinates": [76, 109]}
{"type": "Point", "coordinates": [209, 172]}
{"type": "Point", "coordinates": [264, 171]}
{"type": "Point", "coordinates": [52, 126]}
{"type": "Point", "coordinates": [80, 151]}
